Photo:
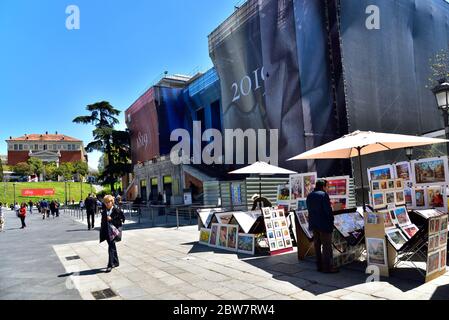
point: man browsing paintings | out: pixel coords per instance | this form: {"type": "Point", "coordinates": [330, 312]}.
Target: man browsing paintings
{"type": "Point", "coordinates": [321, 222]}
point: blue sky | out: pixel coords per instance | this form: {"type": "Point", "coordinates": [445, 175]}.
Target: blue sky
{"type": "Point", "coordinates": [49, 74]}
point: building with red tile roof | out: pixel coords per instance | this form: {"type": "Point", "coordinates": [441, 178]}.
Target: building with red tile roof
{"type": "Point", "coordinates": [56, 148]}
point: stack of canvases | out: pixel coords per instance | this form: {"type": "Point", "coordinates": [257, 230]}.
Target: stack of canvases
{"type": "Point", "coordinates": [227, 237]}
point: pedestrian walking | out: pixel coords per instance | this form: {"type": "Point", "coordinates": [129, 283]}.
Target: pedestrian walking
{"type": "Point", "coordinates": [91, 208]}
{"type": "Point", "coordinates": [44, 209]}
{"type": "Point", "coordinates": [53, 208]}
{"type": "Point", "coordinates": [112, 219]}
{"type": "Point", "coordinates": [321, 222]}
{"type": "Point", "coordinates": [23, 214]}
{"type": "Point", "coordinates": [30, 203]}
{"type": "Point", "coordinates": [17, 209]}
{"type": "Point", "coordinates": [2, 218]}
{"type": "Point", "coordinates": [57, 207]}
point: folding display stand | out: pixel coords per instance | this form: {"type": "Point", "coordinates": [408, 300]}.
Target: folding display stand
{"type": "Point", "coordinates": [305, 244]}
{"type": "Point", "coordinates": [376, 231]}
{"type": "Point", "coordinates": [415, 247]}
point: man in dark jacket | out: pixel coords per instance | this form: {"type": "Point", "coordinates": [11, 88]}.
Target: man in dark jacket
{"type": "Point", "coordinates": [91, 209]}
{"type": "Point", "coordinates": [321, 222]}
{"type": "Point", "coordinates": [114, 216]}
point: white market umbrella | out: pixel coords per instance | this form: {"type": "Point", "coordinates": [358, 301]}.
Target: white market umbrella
{"type": "Point", "coordinates": [360, 143]}
{"type": "Point", "coordinates": [262, 169]}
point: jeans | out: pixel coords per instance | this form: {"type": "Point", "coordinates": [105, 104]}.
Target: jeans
{"type": "Point", "coordinates": [323, 249]}
{"type": "Point", "coordinates": [113, 257]}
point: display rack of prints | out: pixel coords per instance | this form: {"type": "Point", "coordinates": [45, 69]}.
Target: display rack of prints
{"type": "Point", "coordinates": [387, 192]}
{"type": "Point", "coordinates": [437, 247]}
{"type": "Point", "coordinates": [278, 233]}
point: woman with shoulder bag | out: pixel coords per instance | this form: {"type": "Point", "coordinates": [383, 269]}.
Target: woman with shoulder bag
{"type": "Point", "coordinates": [112, 219]}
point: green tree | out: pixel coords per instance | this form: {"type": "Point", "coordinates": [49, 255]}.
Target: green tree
{"type": "Point", "coordinates": [121, 158]}
{"type": "Point", "coordinates": [65, 170]}
{"type": "Point", "coordinates": [36, 165]}
{"type": "Point", "coordinates": [103, 117]}
{"type": "Point", "coordinates": [23, 169]}
{"type": "Point", "coordinates": [51, 171]}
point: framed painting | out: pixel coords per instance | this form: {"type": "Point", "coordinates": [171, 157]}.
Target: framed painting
{"type": "Point", "coordinates": [338, 186]}
{"type": "Point", "coordinates": [245, 243]}
{"type": "Point", "coordinates": [222, 241]}
{"type": "Point", "coordinates": [214, 235]}
{"type": "Point", "coordinates": [204, 236]}
{"type": "Point", "coordinates": [384, 172]}
{"type": "Point", "coordinates": [430, 171]}
{"type": "Point", "coordinates": [232, 232]}
{"type": "Point", "coordinates": [296, 187]}
{"type": "Point", "coordinates": [402, 170]}
{"type": "Point", "coordinates": [376, 251]}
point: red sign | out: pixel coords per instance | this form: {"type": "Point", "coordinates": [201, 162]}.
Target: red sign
{"type": "Point", "coordinates": [37, 192]}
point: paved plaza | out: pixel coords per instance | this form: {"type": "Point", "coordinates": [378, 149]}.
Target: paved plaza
{"type": "Point", "coordinates": [168, 263]}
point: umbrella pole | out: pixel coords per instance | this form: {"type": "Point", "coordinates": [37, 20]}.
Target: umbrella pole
{"type": "Point", "coordinates": [260, 186]}
{"type": "Point", "coordinates": [361, 177]}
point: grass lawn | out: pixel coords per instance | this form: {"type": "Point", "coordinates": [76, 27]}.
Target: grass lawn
{"type": "Point", "coordinates": [73, 191]}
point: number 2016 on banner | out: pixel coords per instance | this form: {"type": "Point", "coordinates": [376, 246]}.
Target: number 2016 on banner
{"type": "Point", "coordinates": [248, 84]}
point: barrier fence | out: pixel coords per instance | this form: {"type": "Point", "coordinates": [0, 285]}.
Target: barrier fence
{"type": "Point", "coordinates": [149, 214]}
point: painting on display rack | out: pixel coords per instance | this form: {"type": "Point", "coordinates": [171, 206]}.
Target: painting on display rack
{"type": "Point", "coordinates": [301, 185]}
{"type": "Point", "coordinates": [204, 236]}
{"type": "Point", "coordinates": [430, 171]}
{"type": "Point", "coordinates": [380, 173]}
{"type": "Point", "coordinates": [403, 171]}
{"type": "Point", "coordinates": [246, 243]}
{"type": "Point", "coordinates": [396, 238]}
{"type": "Point", "coordinates": [338, 186]}
{"type": "Point", "coordinates": [377, 251]}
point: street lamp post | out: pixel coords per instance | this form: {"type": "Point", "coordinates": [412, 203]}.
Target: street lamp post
{"type": "Point", "coordinates": [409, 153]}
{"type": "Point", "coordinates": [14, 185]}
{"type": "Point", "coordinates": [441, 92]}
{"type": "Point", "coordinates": [65, 191]}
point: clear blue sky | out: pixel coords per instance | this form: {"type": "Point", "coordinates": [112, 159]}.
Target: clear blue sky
{"type": "Point", "coordinates": [49, 74]}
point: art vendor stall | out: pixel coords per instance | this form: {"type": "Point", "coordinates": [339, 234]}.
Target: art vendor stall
{"type": "Point", "coordinates": [410, 219]}
{"type": "Point", "coordinates": [263, 231]}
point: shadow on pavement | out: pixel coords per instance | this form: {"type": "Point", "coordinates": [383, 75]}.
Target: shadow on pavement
{"type": "Point", "coordinates": [441, 293]}
{"type": "Point", "coordinates": [303, 274]}
{"type": "Point", "coordinates": [83, 273]}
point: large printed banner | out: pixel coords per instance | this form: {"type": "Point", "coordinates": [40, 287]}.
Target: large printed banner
{"type": "Point", "coordinates": [37, 192]}
{"type": "Point", "coordinates": [142, 120]}
{"type": "Point", "coordinates": [258, 68]}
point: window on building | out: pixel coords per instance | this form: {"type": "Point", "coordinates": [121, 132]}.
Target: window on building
{"type": "Point", "coordinates": [45, 147]}
{"type": "Point", "coordinates": [36, 147]}
{"type": "Point", "coordinates": [25, 147]}
{"type": "Point", "coordinates": [16, 147]}
{"type": "Point", "coordinates": [69, 147]}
